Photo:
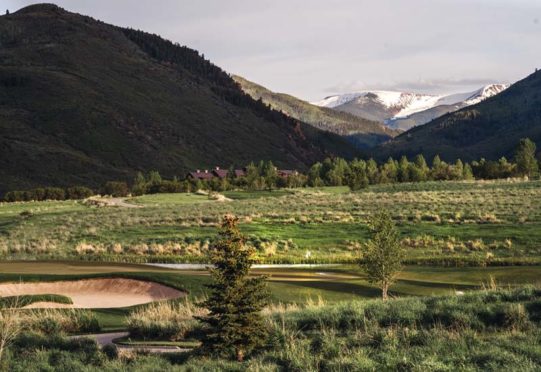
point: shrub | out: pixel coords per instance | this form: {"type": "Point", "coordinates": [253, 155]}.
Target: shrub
{"type": "Point", "coordinates": [78, 192]}
{"type": "Point", "coordinates": [165, 320]}
{"type": "Point", "coordinates": [111, 351]}
{"type": "Point", "coordinates": [55, 193]}
{"type": "Point", "coordinates": [116, 189]}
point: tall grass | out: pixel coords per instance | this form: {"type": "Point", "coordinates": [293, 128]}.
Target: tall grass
{"type": "Point", "coordinates": [492, 329]}
{"type": "Point", "coordinates": [165, 320]}
{"type": "Point", "coordinates": [480, 311]}
{"type": "Point", "coordinates": [474, 223]}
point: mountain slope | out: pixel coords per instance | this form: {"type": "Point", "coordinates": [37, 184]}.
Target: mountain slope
{"type": "Point", "coordinates": [82, 102]}
{"type": "Point", "coordinates": [490, 129]}
{"type": "Point", "coordinates": [364, 133]}
{"type": "Point", "coordinates": [403, 110]}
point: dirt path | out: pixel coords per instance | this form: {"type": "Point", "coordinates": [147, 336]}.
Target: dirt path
{"type": "Point", "coordinates": [101, 201]}
{"type": "Point", "coordinates": [107, 339]}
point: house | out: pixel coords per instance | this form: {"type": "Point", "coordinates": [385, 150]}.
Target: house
{"type": "Point", "coordinates": [285, 173]}
{"type": "Point", "coordinates": [220, 173]}
{"type": "Point", "coordinates": [240, 173]}
{"type": "Point", "coordinates": [200, 175]}
{"type": "Point", "coordinates": [217, 172]}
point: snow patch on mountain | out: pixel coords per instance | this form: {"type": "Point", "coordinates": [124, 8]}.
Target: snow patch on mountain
{"type": "Point", "coordinates": [404, 104]}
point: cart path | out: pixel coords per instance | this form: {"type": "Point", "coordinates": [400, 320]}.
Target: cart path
{"type": "Point", "coordinates": [107, 339]}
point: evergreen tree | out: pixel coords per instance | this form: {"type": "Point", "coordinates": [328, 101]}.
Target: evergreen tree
{"type": "Point", "coordinates": [234, 325]}
{"type": "Point", "coordinates": [383, 255]}
{"type": "Point", "coordinates": [525, 158]}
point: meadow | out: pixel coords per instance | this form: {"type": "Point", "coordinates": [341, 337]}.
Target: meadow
{"type": "Point", "coordinates": [467, 298]}
{"type": "Point", "coordinates": [463, 223]}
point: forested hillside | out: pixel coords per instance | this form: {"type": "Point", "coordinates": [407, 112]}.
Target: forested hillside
{"type": "Point", "coordinates": [489, 129]}
{"type": "Point", "coordinates": [83, 102]}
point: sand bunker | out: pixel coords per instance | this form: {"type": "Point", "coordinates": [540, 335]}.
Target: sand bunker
{"type": "Point", "coordinates": [94, 293]}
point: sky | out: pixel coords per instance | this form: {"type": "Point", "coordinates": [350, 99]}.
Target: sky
{"type": "Point", "coordinates": [316, 48]}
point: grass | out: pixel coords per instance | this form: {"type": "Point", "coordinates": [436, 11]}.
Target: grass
{"type": "Point", "coordinates": [292, 286]}
{"type": "Point", "coordinates": [25, 300]}
{"type": "Point", "coordinates": [306, 225]}
{"type": "Point", "coordinates": [490, 330]}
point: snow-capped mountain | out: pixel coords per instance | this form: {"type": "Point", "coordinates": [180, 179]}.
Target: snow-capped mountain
{"type": "Point", "coordinates": [403, 110]}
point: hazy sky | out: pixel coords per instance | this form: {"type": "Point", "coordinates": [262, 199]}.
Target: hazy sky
{"type": "Point", "coordinates": [315, 48]}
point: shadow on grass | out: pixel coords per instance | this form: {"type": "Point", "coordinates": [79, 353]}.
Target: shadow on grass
{"type": "Point", "coordinates": [339, 287]}
{"type": "Point", "coordinates": [425, 284]}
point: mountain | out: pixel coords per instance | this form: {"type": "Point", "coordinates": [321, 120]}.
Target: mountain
{"type": "Point", "coordinates": [362, 132]}
{"type": "Point", "coordinates": [403, 110]}
{"type": "Point", "coordinates": [491, 128]}
{"type": "Point", "coordinates": [83, 102]}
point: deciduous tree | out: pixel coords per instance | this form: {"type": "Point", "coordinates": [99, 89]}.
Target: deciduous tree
{"type": "Point", "coordinates": [525, 158]}
{"type": "Point", "coordinates": [383, 254]}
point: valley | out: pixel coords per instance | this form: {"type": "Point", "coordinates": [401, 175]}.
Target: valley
{"type": "Point", "coordinates": [159, 213]}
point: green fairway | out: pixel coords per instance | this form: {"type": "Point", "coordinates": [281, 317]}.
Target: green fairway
{"type": "Point", "coordinates": [287, 285]}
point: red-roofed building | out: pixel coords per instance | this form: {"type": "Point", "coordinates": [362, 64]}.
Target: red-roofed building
{"type": "Point", "coordinates": [240, 173]}
{"type": "Point", "coordinates": [200, 175]}
{"type": "Point", "coordinates": [220, 173]}
{"type": "Point", "coordinates": [287, 173]}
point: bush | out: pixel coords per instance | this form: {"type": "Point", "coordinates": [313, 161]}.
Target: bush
{"type": "Point", "coordinates": [164, 320]}
{"type": "Point", "coordinates": [78, 192]}
{"type": "Point", "coordinates": [55, 193]}
{"type": "Point", "coordinates": [111, 351]}
{"type": "Point", "coordinates": [116, 189]}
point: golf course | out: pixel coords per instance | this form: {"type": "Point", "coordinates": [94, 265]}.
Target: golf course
{"type": "Point", "coordinates": [131, 272]}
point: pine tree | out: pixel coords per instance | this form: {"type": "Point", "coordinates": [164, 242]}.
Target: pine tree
{"type": "Point", "coordinates": [382, 258]}
{"type": "Point", "coordinates": [234, 326]}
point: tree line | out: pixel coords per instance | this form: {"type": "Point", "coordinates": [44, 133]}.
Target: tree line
{"type": "Point", "coordinates": [359, 173]}
{"type": "Point", "coordinates": [356, 174]}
